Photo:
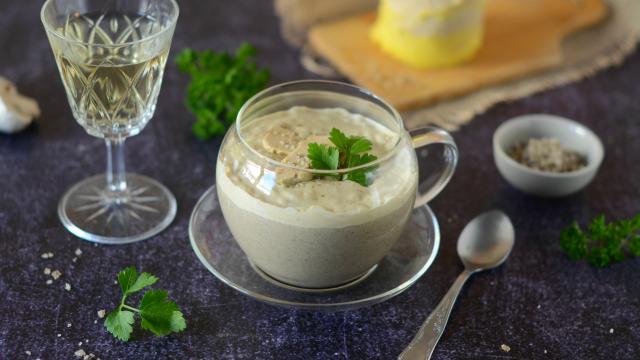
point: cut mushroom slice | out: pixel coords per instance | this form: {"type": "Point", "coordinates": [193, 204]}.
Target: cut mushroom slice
{"type": "Point", "coordinates": [16, 111]}
{"type": "Point", "coordinates": [280, 140]}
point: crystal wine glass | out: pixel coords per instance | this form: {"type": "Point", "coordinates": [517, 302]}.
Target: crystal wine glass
{"type": "Point", "coordinates": [111, 56]}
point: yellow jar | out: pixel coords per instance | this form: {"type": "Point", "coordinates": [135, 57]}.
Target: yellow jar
{"type": "Point", "coordinates": [430, 33]}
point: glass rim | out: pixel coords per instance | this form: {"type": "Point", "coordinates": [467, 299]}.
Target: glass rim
{"type": "Point", "coordinates": [49, 29]}
{"type": "Point", "coordinates": [386, 106]}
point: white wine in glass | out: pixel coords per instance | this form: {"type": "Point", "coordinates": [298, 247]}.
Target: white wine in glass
{"type": "Point", "coordinates": [111, 93]}
{"type": "Point", "coordinates": [111, 55]}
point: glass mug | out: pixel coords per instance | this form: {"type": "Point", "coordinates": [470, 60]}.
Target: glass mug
{"type": "Point", "coordinates": [321, 234]}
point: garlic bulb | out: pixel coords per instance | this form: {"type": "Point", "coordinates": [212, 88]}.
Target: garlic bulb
{"type": "Point", "coordinates": [16, 111]}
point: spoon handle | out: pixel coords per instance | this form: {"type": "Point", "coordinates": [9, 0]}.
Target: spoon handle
{"type": "Point", "coordinates": [425, 341]}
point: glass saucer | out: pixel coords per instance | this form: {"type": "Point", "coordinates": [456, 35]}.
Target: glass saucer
{"type": "Point", "coordinates": [407, 261]}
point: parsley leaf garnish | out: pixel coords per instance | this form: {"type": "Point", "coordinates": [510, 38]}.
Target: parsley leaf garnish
{"type": "Point", "coordinates": [360, 175]}
{"type": "Point", "coordinates": [220, 84]}
{"type": "Point", "coordinates": [348, 152]}
{"type": "Point", "coordinates": [159, 315]}
{"type": "Point", "coordinates": [131, 282]}
{"type": "Point", "coordinates": [119, 323]}
{"type": "Point", "coordinates": [323, 157]}
{"type": "Point", "coordinates": [602, 243]}
{"type": "Point", "coordinates": [339, 139]}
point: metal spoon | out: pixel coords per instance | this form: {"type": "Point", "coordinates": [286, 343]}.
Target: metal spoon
{"type": "Point", "coordinates": [484, 244]}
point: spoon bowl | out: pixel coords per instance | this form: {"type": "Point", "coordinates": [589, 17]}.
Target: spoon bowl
{"type": "Point", "coordinates": [486, 241]}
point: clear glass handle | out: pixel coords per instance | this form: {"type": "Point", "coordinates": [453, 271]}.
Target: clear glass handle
{"type": "Point", "coordinates": [436, 181]}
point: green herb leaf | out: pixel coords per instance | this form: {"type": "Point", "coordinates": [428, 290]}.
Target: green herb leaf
{"type": "Point", "coordinates": [357, 160]}
{"type": "Point", "coordinates": [603, 243]}
{"type": "Point", "coordinates": [130, 282]}
{"type": "Point", "coordinates": [339, 139]}
{"type": "Point", "coordinates": [573, 242]}
{"type": "Point", "coordinates": [220, 84]}
{"type": "Point", "coordinates": [126, 278]}
{"type": "Point", "coordinates": [245, 51]}
{"type": "Point", "coordinates": [143, 280]}
{"type": "Point", "coordinates": [178, 323]}
{"type": "Point", "coordinates": [360, 145]}
{"type": "Point", "coordinates": [360, 175]}
{"type": "Point", "coordinates": [323, 157]}
{"type": "Point", "coordinates": [634, 245]}
{"type": "Point", "coordinates": [159, 315]}
{"type": "Point", "coordinates": [119, 323]}
{"type": "Point", "coordinates": [348, 153]}
{"type": "Point", "coordinates": [186, 60]}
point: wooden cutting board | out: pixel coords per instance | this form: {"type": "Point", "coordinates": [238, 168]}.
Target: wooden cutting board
{"type": "Point", "coordinates": [521, 37]}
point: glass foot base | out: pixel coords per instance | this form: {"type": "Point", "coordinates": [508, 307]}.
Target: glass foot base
{"type": "Point", "coordinates": [287, 286]}
{"type": "Point", "coordinates": [92, 213]}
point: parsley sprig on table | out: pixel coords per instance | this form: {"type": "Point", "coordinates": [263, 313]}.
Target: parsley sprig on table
{"type": "Point", "coordinates": [602, 243]}
{"type": "Point", "coordinates": [159, 315]}
{"type": "Point", "coordinates": [348, 152]}
{"type": "Point", "coordinates": [220, 84]}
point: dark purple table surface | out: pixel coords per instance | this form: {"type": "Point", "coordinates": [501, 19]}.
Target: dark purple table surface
{"type": "Point", "coordinates": [539, 303]}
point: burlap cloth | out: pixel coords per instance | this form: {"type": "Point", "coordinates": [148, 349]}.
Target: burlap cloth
{"type": "Point", "coordinates": [585, 53]}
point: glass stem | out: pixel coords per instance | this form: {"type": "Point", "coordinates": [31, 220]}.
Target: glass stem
{"type": "Point", "coordinates": [116, 181]}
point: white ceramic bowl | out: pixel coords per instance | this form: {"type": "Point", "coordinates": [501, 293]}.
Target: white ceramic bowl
{"type": "Point", "coordinates": [572, 135]}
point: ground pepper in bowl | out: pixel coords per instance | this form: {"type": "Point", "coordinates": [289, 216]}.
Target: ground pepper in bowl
{"type": "Point", "coordinates": [547, 154]}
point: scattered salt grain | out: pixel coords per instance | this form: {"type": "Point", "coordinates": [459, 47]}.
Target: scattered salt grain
{"type": "Point", "coordinates": [49, 282]}
{"type": "Point", "coordinates": [55, 274]}
{"type": "Point", "coordinates": [74, 259]}
{"type": "Point", "coordinates": [47, 271]}
{"type": "Point", "coordinates": [611, 331]}
{"type": "Point", "coordinates": [78, 252]}
{"type": "Point", "coordinates": [505, 348]}
{"type": "Point", "coordinates": [101, 313]}
{"type": "Point", "coordinates": [79, 353]}
{"type": "Point", "coordinates": [538, 307]}
{"type": "Point", "coordinates": [47, 255]}
{"type": "Point", "coordinates": [59, 335]}
{"type": "Point", "coordinates": [545, 351]}
{"type": "Point", "coordinates": [68, 324]}
{"type": "Point", "coordinates": [95, 321]}
{"type": "Point", "coordinates": [67, 286]}
{"type": "Point", "coordinates": [80, 343]}
{"type": "Point", "coordinates": [28, 352]}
